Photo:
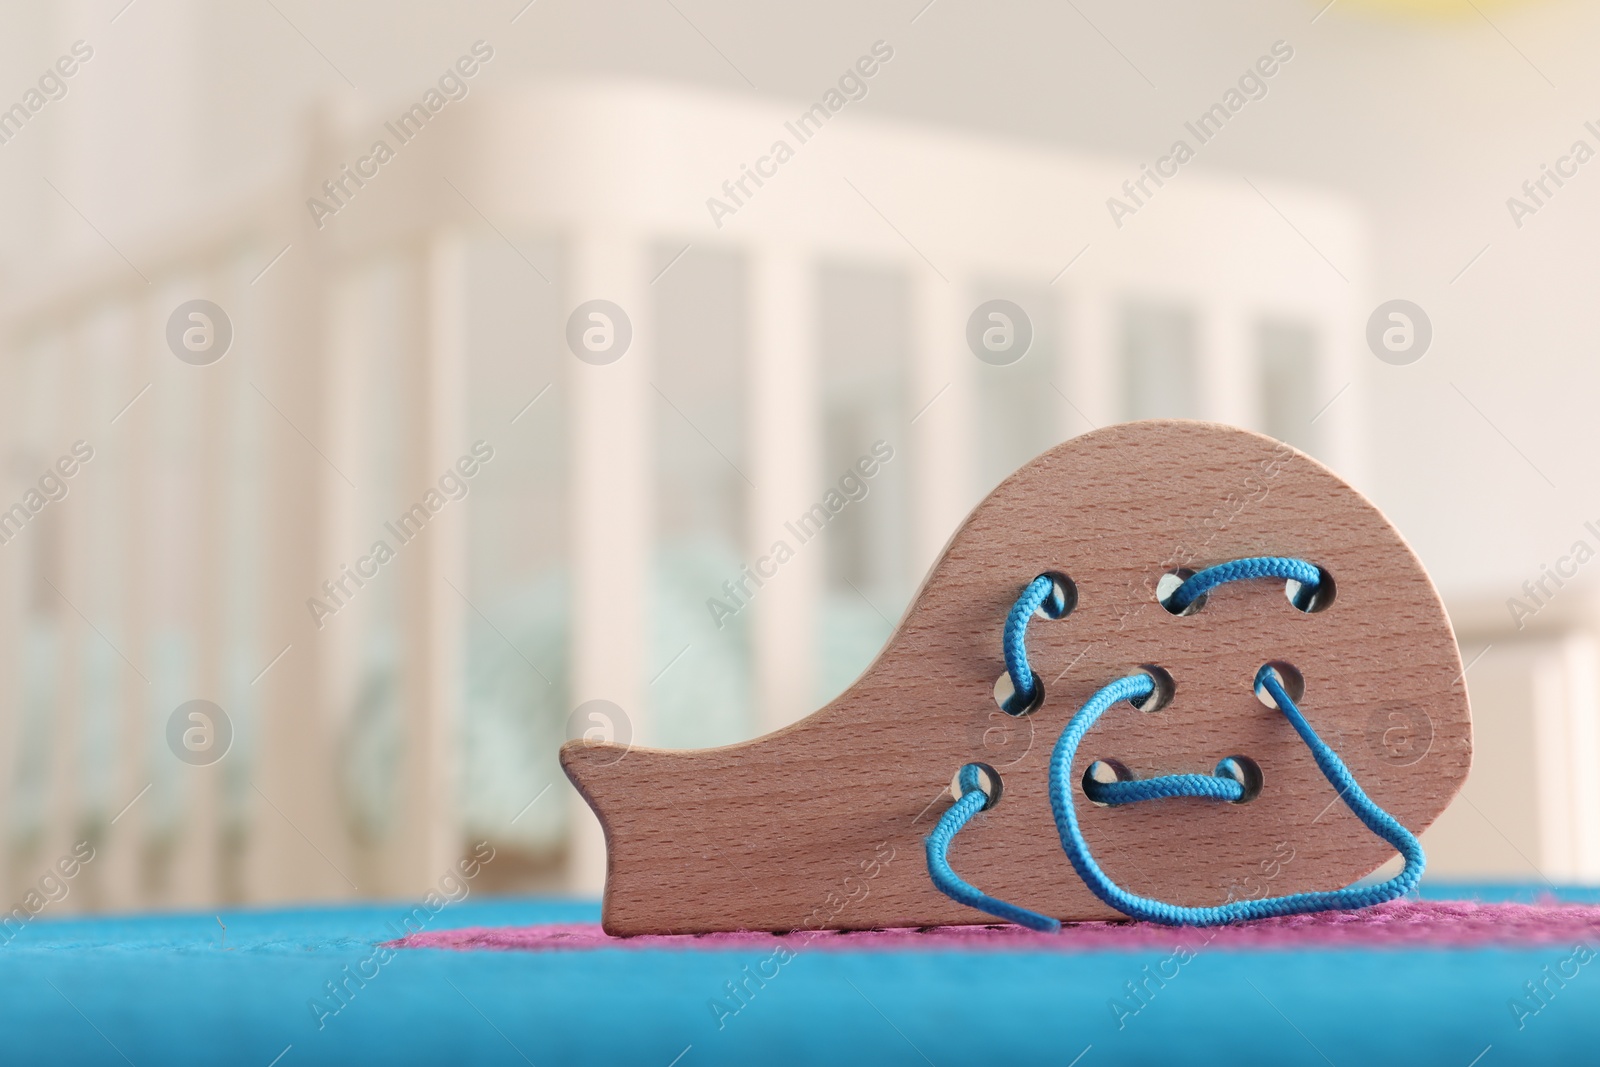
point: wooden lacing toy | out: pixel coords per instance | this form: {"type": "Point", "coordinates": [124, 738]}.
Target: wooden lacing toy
{"type": "Point", "coordinates": [1238, 694]}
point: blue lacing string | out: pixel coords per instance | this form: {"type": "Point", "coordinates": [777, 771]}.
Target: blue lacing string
{"type": "Point", "coordinates": [973, 800]}
{"type": "Point", "coordinates": [1199, 584]}
{"type": "Point", "coordinates": [1042, 593]}
{"type": "Point", "coordinates": [1210, 786]}
{"type": "Point", "coordinates": [1219, 786]}
{"type": "Point", "coordinates": [1013, 641]}
{"type": "Point", "coordinates": [1373, 817]}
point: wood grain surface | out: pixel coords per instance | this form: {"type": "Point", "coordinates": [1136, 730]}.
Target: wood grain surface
{"type": "Point", "coordinates": [820, 825]}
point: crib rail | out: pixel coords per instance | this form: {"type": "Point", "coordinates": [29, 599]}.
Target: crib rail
{"type": "Point", "coordinates": [225, 500]}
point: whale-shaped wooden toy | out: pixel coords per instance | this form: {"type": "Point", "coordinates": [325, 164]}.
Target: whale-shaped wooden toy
{"type": "Point", "coordinates": [820, 825]}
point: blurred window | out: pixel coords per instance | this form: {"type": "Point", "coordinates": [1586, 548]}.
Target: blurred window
{"type": "Point", "coordinates": [864, 344]}
{"type": "Point", "coordinates": [517, 699]}
{"type": "Point", "coordinates": [1158, 346]}
{"type": "Point", "coordinates": [1286, 354]}
{"type": "Point", "coordinates": [1021, 408]}
{"type": "Point", "coordinates": [697, 407]}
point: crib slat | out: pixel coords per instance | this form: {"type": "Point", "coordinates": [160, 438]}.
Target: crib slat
{"type": "Point", "coordinates": [1089, 355]}
{"type": "Point", "coordinates": [62, 540]}
{"type": "Point", "coordinates": [13, 578]}
{"type": "Point", "coordinates": [128, 455]}
{"type": "Point", "coordinates": [939, 445]}
{"type": "Point", "coordinates": [1226, 364]}
{"type": "Point", "coordinates": [613, 406]}
{"type": "Point", "coordinates": [298, 846]}
{"type": "Point", "coordinates": [195, 878]}
{"type": "Point", "coordinates": [426, 837]}
{"type": "Point", "coordinates": [784, 445]}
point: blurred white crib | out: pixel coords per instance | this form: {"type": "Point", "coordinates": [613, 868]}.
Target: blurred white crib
{"type": "Point", "coordinates": [1530, 812]}
{"type": "Point", "coordinates": [829, 311]}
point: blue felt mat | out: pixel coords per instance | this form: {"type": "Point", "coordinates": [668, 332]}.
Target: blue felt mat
{"type": "Point", "coordinates": [165, 990]}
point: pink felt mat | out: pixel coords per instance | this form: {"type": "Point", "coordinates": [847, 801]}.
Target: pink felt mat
{"type": "Point", "coordinates": [1400, 924]}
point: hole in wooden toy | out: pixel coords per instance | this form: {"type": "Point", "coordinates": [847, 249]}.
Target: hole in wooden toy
{"type": "Point", "coordinates": [989, 784]}
{"type": "Point", "coordinates": [1317, 598]}
{"type": "Point", "coordinates": [1062, 599]}
{"type": "Point", "coordinates": [1104, 772]}
{"type": "Point", "coordinates": [1161, 695]}
{"type": "Point", "coordinates": [1168, 584]}
{"type": "Point", "coordinates": [1006, 696]}
{"type": "Point", "coordinates": [1293, 682]}
{"type": "Point", "coordinates": [1245, 771]}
